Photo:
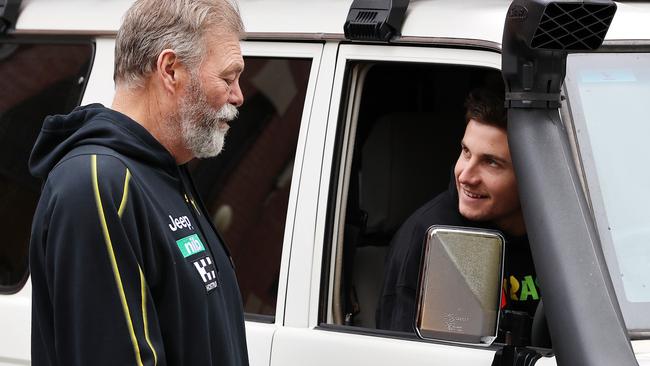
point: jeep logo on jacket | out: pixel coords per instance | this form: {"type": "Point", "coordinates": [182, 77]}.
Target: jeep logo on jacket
{"type": "Point", "coordinates": [180, 223]}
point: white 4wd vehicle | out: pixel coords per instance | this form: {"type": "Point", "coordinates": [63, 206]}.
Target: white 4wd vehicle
{"type": "Point", "coordinates": [342, 138]}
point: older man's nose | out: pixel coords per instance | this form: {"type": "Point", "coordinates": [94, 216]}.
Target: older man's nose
{"type": "Point", "coordinates": [236, 97]}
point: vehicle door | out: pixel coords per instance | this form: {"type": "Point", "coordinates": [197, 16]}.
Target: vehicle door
{"type": "Point", "coordinates": [251, 188]}
{"type": "Point", "coordinates": [40, 76]}
{"type": "Point", "coordinates": [391, 137]}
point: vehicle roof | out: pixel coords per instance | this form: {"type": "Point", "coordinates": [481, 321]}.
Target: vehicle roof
{"type": "Point", "coordinates": [426, 20]}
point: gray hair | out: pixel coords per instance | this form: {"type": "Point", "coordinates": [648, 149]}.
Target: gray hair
{"type": "Point", "coordinates": [151, 26]}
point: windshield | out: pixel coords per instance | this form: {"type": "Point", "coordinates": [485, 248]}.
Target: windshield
{"type": "Point", "coordinates": [609, 100]}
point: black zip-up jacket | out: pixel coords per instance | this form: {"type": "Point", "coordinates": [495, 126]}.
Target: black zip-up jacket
{"type": "Point", "coordinates": [126, 266]}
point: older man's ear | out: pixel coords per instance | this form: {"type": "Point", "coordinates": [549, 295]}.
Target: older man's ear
{"type": "Point", "coordinates": [169, 71]}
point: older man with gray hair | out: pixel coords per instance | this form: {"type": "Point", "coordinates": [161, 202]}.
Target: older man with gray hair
{"type": "Point", "coordinates": [126, 266]}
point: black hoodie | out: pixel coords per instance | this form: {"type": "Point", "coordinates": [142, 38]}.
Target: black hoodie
{"type": "Point", "coordinates": [126, 266]}
{"type": "Point", "coordinates": [397, 303]}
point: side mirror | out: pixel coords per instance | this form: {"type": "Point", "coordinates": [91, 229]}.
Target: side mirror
{"type": "Point", "coordinates": [460, 287]}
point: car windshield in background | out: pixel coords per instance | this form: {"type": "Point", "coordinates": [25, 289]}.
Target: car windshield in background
{"type": "Point", "coordinates": [609, 99]}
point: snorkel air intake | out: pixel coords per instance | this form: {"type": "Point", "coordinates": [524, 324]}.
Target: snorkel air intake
{"type": "Point", "coordinates": [584, 317]}
{"type": "Point", "coordinates": [536, 38]}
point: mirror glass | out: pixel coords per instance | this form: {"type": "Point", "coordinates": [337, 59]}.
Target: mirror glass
{"type": "Point", "coordinates": [460, 285]}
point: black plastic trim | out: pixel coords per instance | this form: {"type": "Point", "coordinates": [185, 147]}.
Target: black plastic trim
{"type": "Point", "coordinates": [399, 335]}
{"type": "Point", "coordinates": [259, 318]}
{"type": "Point", "coordinates": [330, 220]}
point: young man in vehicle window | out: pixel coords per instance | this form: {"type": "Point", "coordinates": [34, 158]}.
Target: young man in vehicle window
{"type": "Point", "coordinates": [126, 266]}
{"type": "Point", "coordinates": [483, 193]}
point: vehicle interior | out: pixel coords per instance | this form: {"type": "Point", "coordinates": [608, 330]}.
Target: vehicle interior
{"type": "Point", "coordinates": [407, 131]}
{"type": "Point", "coordinates": [409, 126]}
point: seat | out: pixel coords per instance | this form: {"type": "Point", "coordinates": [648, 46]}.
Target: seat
{"type": "Point", "coordinates": [405, 161]}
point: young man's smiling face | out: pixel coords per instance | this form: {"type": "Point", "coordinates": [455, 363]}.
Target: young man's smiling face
{"type": "Point", "coordinates": [485, 179]}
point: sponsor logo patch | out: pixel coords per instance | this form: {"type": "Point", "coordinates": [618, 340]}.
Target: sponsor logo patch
{"type": "Point", "coordinates": [190, 245]}
{"type": "Point", "coordinates": [207, 271]}
{"type": "Point", "coordinates": [178, 223]}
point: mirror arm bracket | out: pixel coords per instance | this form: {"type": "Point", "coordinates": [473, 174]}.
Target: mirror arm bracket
{"type": "Point", "coordinates": [511, 355]}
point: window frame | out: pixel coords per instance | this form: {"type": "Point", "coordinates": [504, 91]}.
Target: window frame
{"type": "Point", "coordinates": [350, 63]}
{"type": "Point", "coordinates": [15, 311]}
{"type": "Point", "coordinates": [312, 51]}
{"type": "Point", "coordinates": [48, 40]}
{"type": "Point", "coordinates": [331, 344]}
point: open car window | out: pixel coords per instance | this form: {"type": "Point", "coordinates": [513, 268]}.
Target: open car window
{"type": "Point", "coordinates": [401, 156]}
{"type": "Point", "coordinates": [398, 139]}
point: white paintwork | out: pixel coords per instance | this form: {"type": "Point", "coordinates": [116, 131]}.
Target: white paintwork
{"type": "Point", "coordinates": [472, 19]}
{"type": "Point", "coordinates": [101, 88]}
{"type": "Point", "coordinates": [483, 20]}
{"type": "Point", "coordinates": [302, 289]}
{"type": "Point", "coordinates": [308, 16]}
{"type": "Point", "coordinates": [15, 327]}
{"type": "Point", "coordinates": [259, 339]}
{"type": "Point", "coordinates": [72, 16]}
{"type": "Point", "coordinates": [318, 347]}
{"type": "Point", "coordinates": [100, 16]}
{"type": "Point", "coordinates": [642, 352]}
{"type": "Point", "coordinates": [420, 54]}
{"type": "Point", "coordinates": [294, 338]}
{"type": "Point", "coordinates": [546, 361]}
{"type": "Point", "coordinates": [630, 22]}
{"type": "Point", "coordinates": [476, 20]}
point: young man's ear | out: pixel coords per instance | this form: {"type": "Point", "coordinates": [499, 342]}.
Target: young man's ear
{"type": "Point", "coordinates": [169, 71]}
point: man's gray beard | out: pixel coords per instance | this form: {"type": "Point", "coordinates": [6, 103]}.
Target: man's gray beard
{"type": "Point", "coordinates": [203, 128]}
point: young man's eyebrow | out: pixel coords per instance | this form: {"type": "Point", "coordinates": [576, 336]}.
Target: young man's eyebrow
{"type": "Point", "coordinates": [496, 158]}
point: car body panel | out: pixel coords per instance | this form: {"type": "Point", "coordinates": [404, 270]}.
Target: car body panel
{"type": "Point", "coordinates": [309, 29]}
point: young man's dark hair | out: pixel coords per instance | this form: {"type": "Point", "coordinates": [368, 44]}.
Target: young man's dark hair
{"type": "Point", "coordinates": [482, 194]}
{"type": "Point", "coordinates": [486, 106]}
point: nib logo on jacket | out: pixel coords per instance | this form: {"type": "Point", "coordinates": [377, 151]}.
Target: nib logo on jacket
{"type": "Point", "coordinates": [190, 245]}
